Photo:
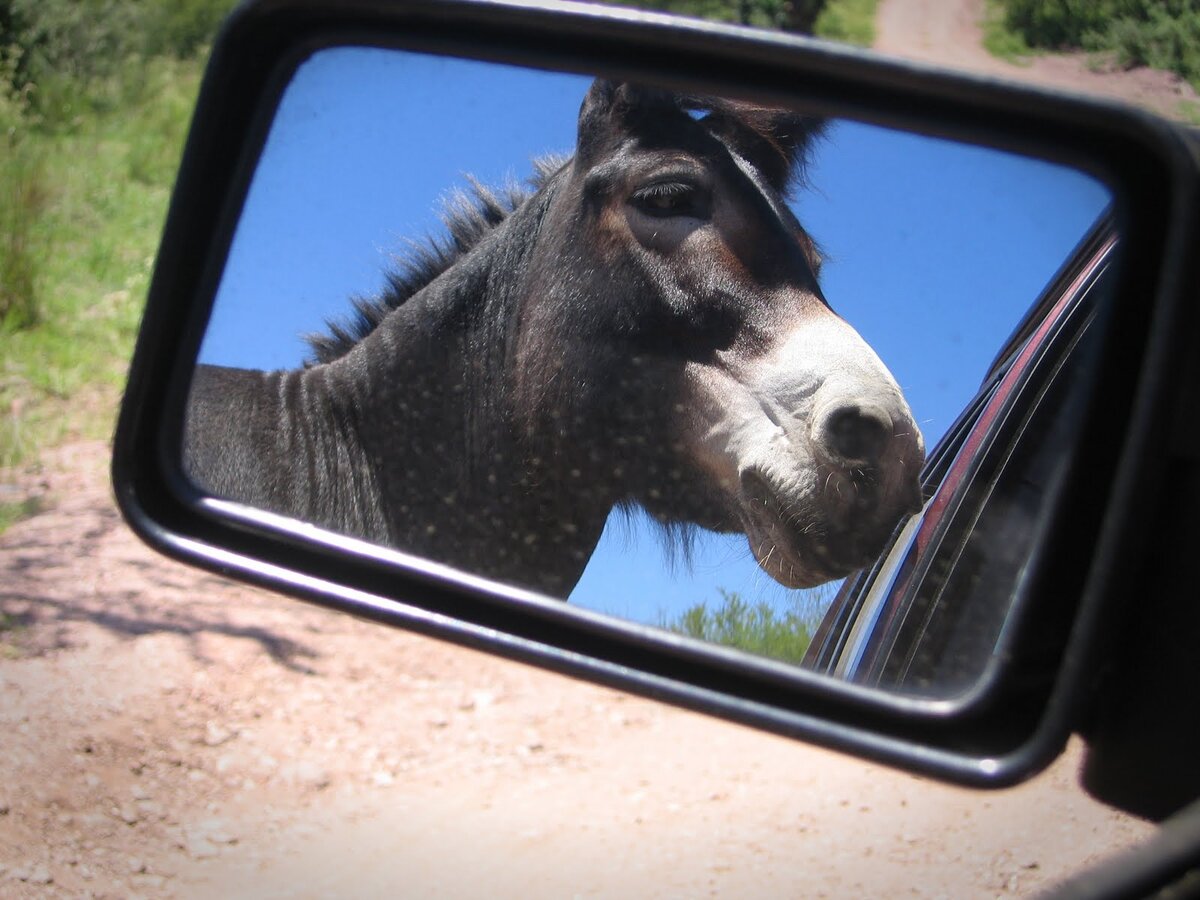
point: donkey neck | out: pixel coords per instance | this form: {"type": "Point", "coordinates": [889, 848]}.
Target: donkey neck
{"type": "Point", "coordinates": [460, 479]}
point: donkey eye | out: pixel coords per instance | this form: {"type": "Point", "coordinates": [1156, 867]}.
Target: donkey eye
{"type": "Point", "coordinates": [665, 199]}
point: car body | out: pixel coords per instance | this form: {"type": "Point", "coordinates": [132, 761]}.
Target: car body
{"type": "Point", "coordinates": [904, 624]}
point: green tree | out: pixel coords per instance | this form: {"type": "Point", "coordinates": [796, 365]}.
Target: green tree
{"type": "Point", "coordinates": [756, 627]}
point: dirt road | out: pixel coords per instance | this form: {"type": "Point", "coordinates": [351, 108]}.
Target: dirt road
{"type": "Point", "coordinates": [164, 733]}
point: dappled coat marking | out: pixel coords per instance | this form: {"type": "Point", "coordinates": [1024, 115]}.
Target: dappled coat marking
{"type": "Point", "coordinates": [644, 327]}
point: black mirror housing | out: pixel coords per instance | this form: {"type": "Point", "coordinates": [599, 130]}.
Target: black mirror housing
{"type": "Point", "coordinates": [1085, 562]}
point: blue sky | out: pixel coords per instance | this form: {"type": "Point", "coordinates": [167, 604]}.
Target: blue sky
{"type": "Point", "coordinates": [933, 249]}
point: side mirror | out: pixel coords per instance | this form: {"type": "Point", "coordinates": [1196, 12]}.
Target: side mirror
{"type": "Point", "coordinates": [657, 330]}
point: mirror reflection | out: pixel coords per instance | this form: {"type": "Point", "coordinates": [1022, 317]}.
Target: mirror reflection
{"type": "Point", "coordinates": [674, 358]}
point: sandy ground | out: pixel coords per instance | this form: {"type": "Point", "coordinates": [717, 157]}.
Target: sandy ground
{"type": "Point", "coordinates": [165, 733]}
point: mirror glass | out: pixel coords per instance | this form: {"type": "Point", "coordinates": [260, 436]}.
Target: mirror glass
{"type": "Point", "coordinates": [690, 381]}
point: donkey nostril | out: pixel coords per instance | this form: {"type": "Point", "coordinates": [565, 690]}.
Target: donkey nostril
{"type": "Point", "coordinates": [857, 433]}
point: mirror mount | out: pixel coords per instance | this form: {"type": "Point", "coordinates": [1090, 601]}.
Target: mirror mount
{"type": "Point", "coordinates": [1142, 745]}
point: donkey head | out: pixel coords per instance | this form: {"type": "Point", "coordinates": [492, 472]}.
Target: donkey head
{"type": "Point", "coordinates": [672, 325]}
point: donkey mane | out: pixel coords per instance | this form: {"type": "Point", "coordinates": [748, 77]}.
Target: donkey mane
{"type": "Point", "coordinates": [469, 218]}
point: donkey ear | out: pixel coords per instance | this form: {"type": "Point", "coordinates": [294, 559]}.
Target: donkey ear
{"type": "Point", "coordinates": [620, 100]}
{"type": "Point", "coordinates": [774, 141]}
{"type": "Point", "coordinates": [612, 108]}
{"type": "Point", "coordinates": [594, 115]}
{"type": "Point", "coordinates": [597, 101]}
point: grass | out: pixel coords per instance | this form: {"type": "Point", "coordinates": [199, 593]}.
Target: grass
{"type": "Point", "coordinates": [104, 177]}
{"type": "Point", "coordinates": [11, 629]}
{"type": "Point", "coordinates": [756, 628]}
{"type": "Point", "coordinates": [11, 513]}
{"type": "Point", "coordinates": [849, 21]}
{"type": "Point", "coordinates": [1189, 112]}
{"type": "Point", "coordinates": [22, 200]}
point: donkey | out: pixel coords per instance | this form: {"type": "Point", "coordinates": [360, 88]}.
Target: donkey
{"type": "Point", "coordinates": [644, 327]}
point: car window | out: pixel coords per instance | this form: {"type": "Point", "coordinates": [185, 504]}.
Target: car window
{"type": "Point", "coordinates": [933, 617]}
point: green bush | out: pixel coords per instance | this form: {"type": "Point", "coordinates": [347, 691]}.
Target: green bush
{"type": "Point", "coordinates": [798, 16]}
{"type": "Point", "coordinates": [183, 28]}
{"type": "Point", "coordinates": [1164, 34]}
{"type": "Point", "coordinates": [77, 53]}
{"type": "Point", "coordinates": [850, 21]}
{"type": "Point", "coordinates": [79, 39]}
{"type": "Point", "coordinates": [1161, 41]}
{"type": "Point", "coordinates": [998, 38]}
{"type": "Point", "coordinates": [1056, 24]}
